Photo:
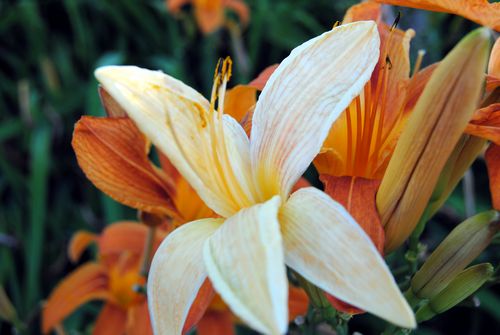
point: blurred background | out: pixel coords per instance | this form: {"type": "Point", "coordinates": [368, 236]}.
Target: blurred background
{"type": "Point", "coordinates": [48, 52]}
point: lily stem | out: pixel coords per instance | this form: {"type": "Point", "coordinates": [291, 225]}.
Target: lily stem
{"type": "Point", "coordinates": [148, 250]}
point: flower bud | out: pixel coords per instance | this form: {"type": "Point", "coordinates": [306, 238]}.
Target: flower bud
{"type": "Point", "coordinates": [430, 135]}
{"type": "Point", "coordinates": [457, 250]}
{"type": "Point", "coordinates": [465, 153]}
{"type": "Point", "coordinates": [466, 283]}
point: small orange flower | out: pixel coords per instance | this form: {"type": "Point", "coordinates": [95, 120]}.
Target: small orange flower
{"type": "Point", "coordinates": [479, 11]}
{"type": "Point", "coordinates": [112, 279]}
{"type": "Point", "coordinates": [210, 13]}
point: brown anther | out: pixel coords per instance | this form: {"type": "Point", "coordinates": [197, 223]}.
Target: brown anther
{"type": "Point", "coordinates": [388, 62]}
{"type": "Point", "coordinates": [396, 21]}
{"type": "Point", "coordinates": [227, 68]}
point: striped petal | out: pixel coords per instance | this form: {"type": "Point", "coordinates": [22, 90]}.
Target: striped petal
{"type": "Point", "coordinates": [244, 261]}
{"type": "Point", "coordinates": [113, 154]}
{"type": "Point", "coordinates": [209, 151]}
{"type": "Point", "coordinates": [177, 273]}
{"type": "Point", "coordinates": [88, 282]}
{"type": "Point", "coordinates": [483, 12]}
{"type": "Point", "coordinates": [302, 99]}
{"type": "Point", "coordinates": [327, 247]}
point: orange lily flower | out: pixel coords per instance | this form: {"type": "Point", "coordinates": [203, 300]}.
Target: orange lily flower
{"type": "Point", "coordinates": [111, 279]}
{"type": "Point", "coordinates": [361, 142]}
{"type": "Point", "coordinates": [479, 11]}
{"type": "Point", "coordinates": [210, 13]}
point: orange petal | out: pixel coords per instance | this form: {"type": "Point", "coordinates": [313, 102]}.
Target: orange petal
{"type": "Point", "coordinates": [216, 323]}
{"type": "Point", "coordinates": [123, 236]}
{"type": "Point", "coordinates": [168, 168]}
{"type": "Point", "coordinates": [363, 12]}
{"type": "Point", "coordinates": [357, 195]}
{"type": "Point", "coordinates": [88, 282]}
{"type": "Point", "coordinates": [263, 77]}
{"type": "Point", "coordinates": [79, 242]}
{"type": "Point", "coordinates": [138, 322]}
{"type": "Point", "coordinates": [298, 302]}
{"type": "Point", "coordinates": [301, 183]}
{"type": "Point", "coordinates": [493, 78]}
{"type": "Point", "coordinates": [199, 306]}
{"type": "Point", "coordinates": [492, 157]}
{"type": "Point", "coordinates": [209, 15]}
{"type": "Point", "coordinates": [494, 63]}
{"type": "Point", "coordinates": [189, 203]}
{"type": "Point", "coordinates": [492, 82]}
{"type": "Point", "coordinates": [479, 11]}
{"type": "Point", "coordinates": [240, 8]}
{"type": "Point", "coordinates": [417, 85]}
{"type": "Point", "coordinates": [485, 123]}
{"type": "Point", "coordinates": [329, 161]}
{"type": "Point", "coordinates": [239, 101]}
{"type": "Point", "coordinates": [112, 108]}
{"type": "Point", "coordinates": [111, 321]}
{"type": "Point", "coordinates": [112, 154]}
{"type": "Point", "coordinates": [343, 306]}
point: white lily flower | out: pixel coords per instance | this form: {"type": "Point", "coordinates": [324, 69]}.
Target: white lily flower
{"type": "Point", "coordinates": [248, 183]}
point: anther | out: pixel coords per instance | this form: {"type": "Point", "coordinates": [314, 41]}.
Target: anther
{"type": "Point", "coordinates": [396, 21]}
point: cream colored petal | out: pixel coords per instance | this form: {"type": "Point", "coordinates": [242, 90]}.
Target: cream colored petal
{"type": "Point", "coordinates": [302, 99]}
{"type": "Point", "coordinates": [176, 275]}
{"type": "Point", "coordinates": [325, 245]}
{"type": "Point", "coordinates": [245, 262]}
{"type": "Point", "coordinates": [178, 121]}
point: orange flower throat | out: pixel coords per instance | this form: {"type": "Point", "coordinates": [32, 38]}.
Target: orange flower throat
{"type": "Point", "coordinates": [123, 286]}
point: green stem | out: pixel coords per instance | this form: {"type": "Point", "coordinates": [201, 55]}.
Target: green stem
{"type": "Point", "coordinates": [316, 296]}
{"type": "Point", "coordinates": [412, 299]}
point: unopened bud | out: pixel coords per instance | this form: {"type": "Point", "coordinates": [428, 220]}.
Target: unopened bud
{"type": "Point", "coordinates": [465, 283]}
{"type": "Point", "coordinates": [430, 135]}
{"type": "Point", "coordinates": [457, 250]}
